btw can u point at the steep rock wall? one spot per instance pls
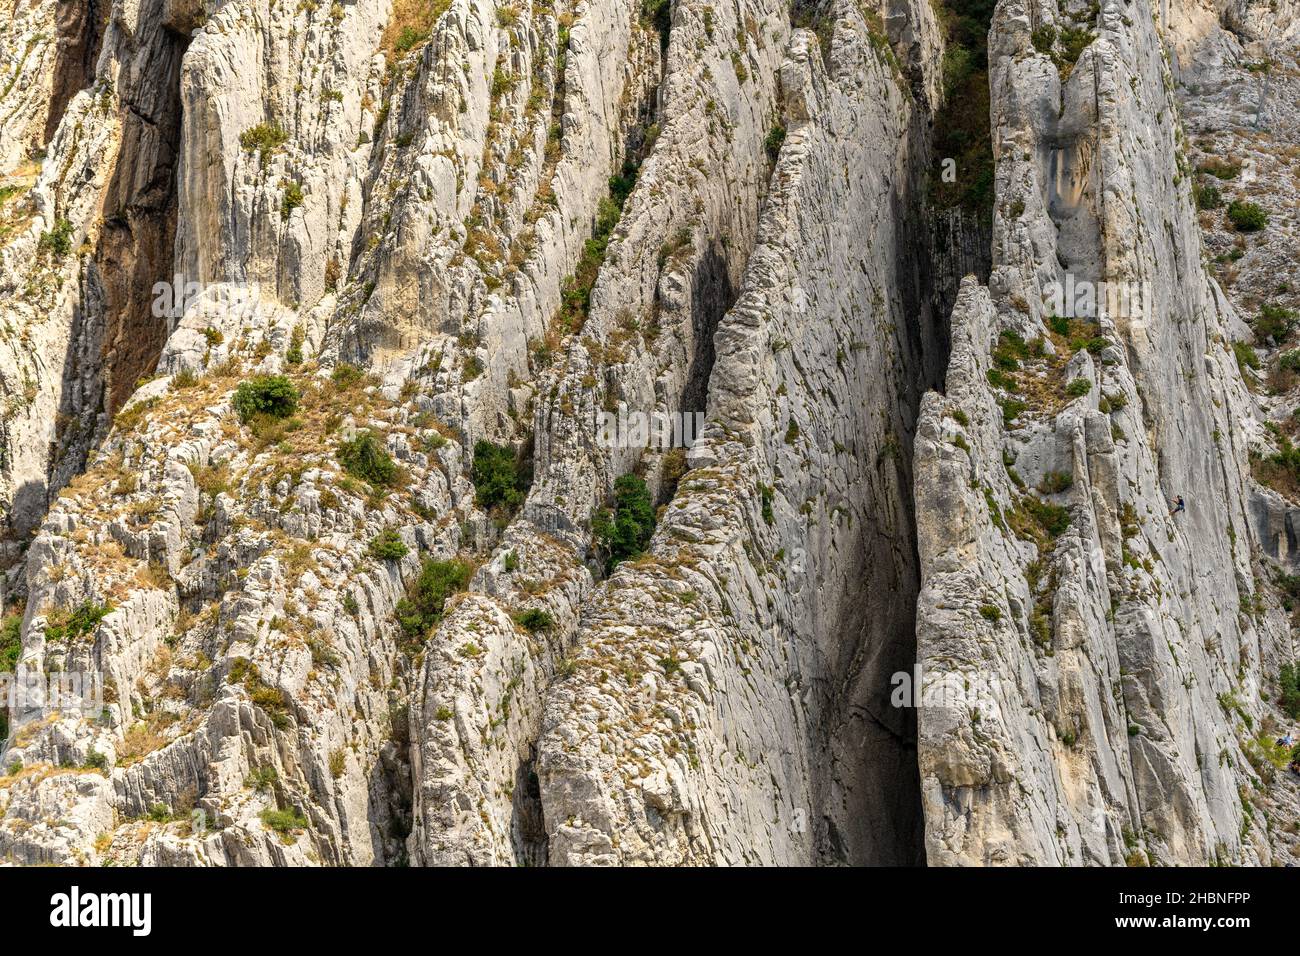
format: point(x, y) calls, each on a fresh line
point(1098, 653)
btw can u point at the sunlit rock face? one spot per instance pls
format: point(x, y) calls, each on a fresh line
point(340, 527)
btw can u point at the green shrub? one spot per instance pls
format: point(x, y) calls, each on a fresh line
point(1078, 387)
point(498, 481)
point(11, 644)
point(1074, 40)
point(1011, 409)
point(1247, 216)
point(284, 821)
point(409, 39)
point(271, 395)
point(1052, 518)
point(261, 778)
point(58, 241)
point(421, 609)
point(293, 354)
point(272, 700)
point(69, 625)
point(1207, 196)
point(1055, 482)
point(264, 138)
point(1246, 356)
point(1010, 351)
point(624, 531)
point(1000, 379)
point(1043, 38)
point(657, 14)
point(346, 376)
point(1290, 699)
point(535, 620)
point(96, 760)
point(1094, 344)
point(363, 456)
point(1291, 360)
point(290, 200)
point(1219, 169)
point(1274, 322)
point(774, 141)
point(388, 546)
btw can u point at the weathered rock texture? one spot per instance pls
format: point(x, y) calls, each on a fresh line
point(1104, 678)
point(454, 221)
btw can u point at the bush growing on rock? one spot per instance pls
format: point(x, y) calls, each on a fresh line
point(271, 395)
point(1246, 356)
point(388, 546)
point(421, 609)
point(1038, 521)
point(535, 620)
point(1274, 322)
point(95, 760)
point(58, 241)
point(291, 199)
point(346, 376)
point(1207, 196)
point(625, 531)
point(10, 642)
point(1247, 216)
point(774, 141)
point(11, 648)
point(363, 456)
point(63, 625)
point(1056, 482)
point(499, 484)
point(1290, 699)
point(264, 138)
point(272, 700)
point(283, 821)
point(293, 354)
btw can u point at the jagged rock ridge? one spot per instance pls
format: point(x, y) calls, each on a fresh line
point(454, 222)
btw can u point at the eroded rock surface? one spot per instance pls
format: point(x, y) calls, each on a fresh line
point(389, 622)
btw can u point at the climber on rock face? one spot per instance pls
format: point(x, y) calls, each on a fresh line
point(1179, 505)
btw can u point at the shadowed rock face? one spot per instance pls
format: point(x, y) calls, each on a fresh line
point(139, 209)
point(387, 626)
point(80, 31)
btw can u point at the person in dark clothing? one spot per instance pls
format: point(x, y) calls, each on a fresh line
point(1178, 506)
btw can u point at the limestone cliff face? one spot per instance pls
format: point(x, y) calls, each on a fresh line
point(325, 636)
point(1120, 653)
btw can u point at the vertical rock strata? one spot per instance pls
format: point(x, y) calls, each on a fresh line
point(1097, 649)
point(463, 231)
point(726, 703)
